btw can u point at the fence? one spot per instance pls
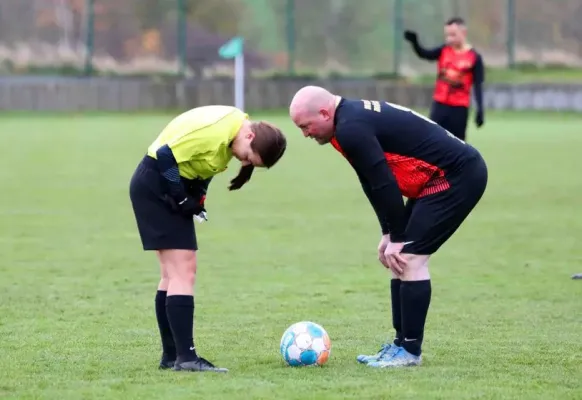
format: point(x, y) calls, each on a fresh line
point(107, 94)
point(289, 36)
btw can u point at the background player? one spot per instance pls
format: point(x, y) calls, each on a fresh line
point(168, 188)
point(396, 152)
point(459, 66)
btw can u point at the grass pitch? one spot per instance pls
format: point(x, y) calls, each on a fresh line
point(298, 243)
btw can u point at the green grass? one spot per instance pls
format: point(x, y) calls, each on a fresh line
point(299, 243)
point(523, 75)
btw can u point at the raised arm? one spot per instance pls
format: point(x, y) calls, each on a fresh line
point(431, 54)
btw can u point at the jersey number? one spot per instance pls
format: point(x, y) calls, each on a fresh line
point(375, 106)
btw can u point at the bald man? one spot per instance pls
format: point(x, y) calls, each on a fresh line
point(397, 152)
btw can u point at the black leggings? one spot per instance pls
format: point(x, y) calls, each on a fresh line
point(452, 118)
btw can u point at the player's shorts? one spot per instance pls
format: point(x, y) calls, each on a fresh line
point(452, 118)
point(433, 219)
point(160, 227)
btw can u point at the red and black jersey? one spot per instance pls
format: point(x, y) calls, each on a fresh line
point(396, 152)
point(457, 72)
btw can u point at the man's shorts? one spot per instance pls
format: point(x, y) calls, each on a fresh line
point(433, 219)
point(452, 118)
point(160, 227)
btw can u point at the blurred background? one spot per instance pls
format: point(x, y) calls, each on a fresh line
point(173, 45)
point(345, 37)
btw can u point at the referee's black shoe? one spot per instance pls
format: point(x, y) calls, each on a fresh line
point(167, 362)
point(198, 365)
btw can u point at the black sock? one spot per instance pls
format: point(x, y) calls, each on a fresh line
point(396, 314)
point(180, 310)
point(415, 300)
point(168, 345)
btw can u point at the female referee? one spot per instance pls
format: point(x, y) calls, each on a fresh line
point(168, 189)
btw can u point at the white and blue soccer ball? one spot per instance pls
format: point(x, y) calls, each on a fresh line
point(305, 343)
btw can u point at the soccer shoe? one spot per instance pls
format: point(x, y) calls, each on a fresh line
point(167, 362)
point(198, 365)
point(401, 358)
point(387, 349)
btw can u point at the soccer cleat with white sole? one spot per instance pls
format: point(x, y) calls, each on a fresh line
point(401, 358)
point(387, 350)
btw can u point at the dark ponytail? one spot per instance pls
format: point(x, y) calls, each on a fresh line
point(244, 175)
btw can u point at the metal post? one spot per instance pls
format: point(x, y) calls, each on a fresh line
point(397, 22)
point(511, 22)
point(89, 36)
point(291, 36)
point(182, 36)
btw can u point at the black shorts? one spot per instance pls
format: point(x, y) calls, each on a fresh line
point(433, 219)
point(160, 227)
point(452, 118)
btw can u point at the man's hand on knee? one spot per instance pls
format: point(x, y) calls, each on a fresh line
point(393, 259)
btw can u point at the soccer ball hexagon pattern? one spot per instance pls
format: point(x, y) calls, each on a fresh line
point(305, 343)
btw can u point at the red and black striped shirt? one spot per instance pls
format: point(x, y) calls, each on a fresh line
point(396, 152)
point(458, 71)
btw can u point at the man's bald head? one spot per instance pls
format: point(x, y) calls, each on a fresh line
point(312, 109)
point(310, 99)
